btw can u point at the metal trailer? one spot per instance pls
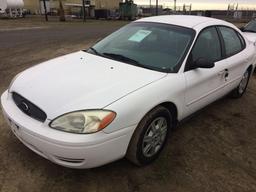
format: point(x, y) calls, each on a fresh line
point(11, 8)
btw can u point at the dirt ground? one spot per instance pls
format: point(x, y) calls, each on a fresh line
point(215, 150)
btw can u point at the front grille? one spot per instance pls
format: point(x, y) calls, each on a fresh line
point(29, 108)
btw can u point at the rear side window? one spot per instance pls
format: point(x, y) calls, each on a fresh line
point(207, 46)
point(233, 43)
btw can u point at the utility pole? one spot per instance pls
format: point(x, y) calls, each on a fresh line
point(45, 11)
point(150, 8)
point(156, 7)
point(174, 6)
point(62, 12)
point(84, 12)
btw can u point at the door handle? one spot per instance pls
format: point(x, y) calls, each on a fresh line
point(226, 76)
point(221, 73)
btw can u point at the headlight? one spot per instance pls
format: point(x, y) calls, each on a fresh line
point(13, 81)
point(83, 122)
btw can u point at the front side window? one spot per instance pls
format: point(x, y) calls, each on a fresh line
point(207, 46)
point(155, 46)
point(232, 41)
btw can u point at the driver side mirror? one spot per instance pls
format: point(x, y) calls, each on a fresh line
point(202, 63)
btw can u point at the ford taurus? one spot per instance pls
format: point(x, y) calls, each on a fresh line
point(123, 96)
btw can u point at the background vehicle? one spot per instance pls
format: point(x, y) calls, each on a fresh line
point(250, 27)
point(250, 31)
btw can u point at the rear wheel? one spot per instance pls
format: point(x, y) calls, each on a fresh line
point(150, 136)
point(241, 89)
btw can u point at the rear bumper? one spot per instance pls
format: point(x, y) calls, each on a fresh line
point(66, 149)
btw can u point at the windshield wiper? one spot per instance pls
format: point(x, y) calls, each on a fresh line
point(128, 60)
point(94, 51)
point(120, 58)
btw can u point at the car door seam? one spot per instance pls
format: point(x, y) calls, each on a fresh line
point(207, 94)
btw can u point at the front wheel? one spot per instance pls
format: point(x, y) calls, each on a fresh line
point(241, 89)
point(150, 136)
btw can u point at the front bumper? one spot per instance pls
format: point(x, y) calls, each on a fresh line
point(66, 149)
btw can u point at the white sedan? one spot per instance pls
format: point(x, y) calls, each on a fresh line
point(123, 96)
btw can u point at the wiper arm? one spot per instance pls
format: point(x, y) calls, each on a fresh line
point(121, 58)
point(94, 50)
point(127, 59)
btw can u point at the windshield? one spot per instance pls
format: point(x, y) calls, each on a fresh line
point(251, 27)
point(154, 46)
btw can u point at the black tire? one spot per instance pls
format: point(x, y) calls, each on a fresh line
point(136, 150)
point(238, 91)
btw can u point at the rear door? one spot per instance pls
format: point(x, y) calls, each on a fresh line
point(203, 86)
point(236, 54)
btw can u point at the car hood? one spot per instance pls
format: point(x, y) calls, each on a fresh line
point(80, 81)
point(250, 36)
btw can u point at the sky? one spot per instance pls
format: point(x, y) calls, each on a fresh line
point(204, 4)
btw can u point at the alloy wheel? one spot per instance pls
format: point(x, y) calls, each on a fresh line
point(243, 83)
point(154, 137)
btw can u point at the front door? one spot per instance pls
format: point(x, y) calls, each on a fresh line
point(203, 86)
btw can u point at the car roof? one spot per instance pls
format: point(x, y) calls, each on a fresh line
point(182, 20)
